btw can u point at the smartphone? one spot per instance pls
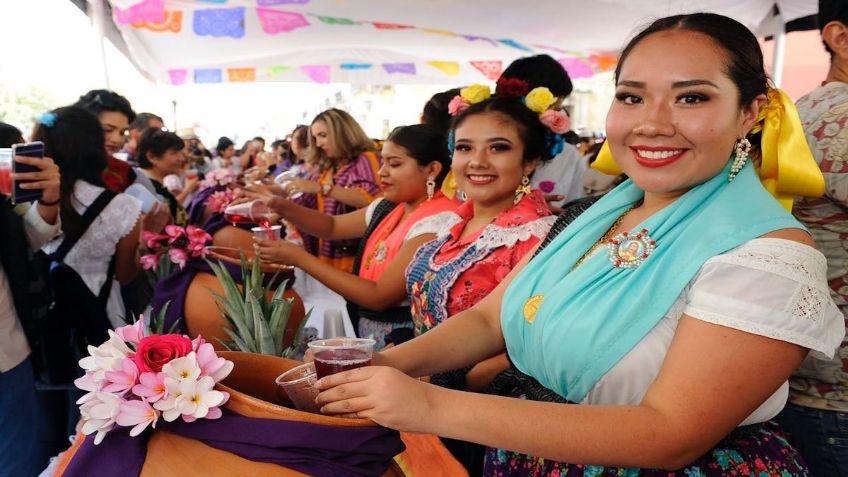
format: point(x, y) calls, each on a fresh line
point(32, 149)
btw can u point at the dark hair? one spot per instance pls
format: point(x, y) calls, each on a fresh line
point(75, 142)
point(435, 112)
point(832, 11)
point(97, 101)
point(541, 71)
point(223, 143)
point(156, 142)
point(532, 132)
point(300, 135)
point(425, 144)
point(10, 135)
point(259, 138)
point(744, 57)
point(142, 121)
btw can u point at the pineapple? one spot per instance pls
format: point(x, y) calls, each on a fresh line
point(256, 324)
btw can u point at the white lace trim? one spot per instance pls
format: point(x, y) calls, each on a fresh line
point(789, 259)
point(495, 236)
point(439, 224)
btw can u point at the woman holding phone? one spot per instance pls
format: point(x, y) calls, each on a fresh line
point(25, 228)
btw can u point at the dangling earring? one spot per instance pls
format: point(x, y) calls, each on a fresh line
point(522, 189)
point(740, 157)
point(431, 187)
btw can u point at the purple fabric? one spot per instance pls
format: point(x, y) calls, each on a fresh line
point(313, 449)
point(198, 204)
point(173, 289)
point(360, 174)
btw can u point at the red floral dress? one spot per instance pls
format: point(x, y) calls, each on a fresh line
point(449, 275)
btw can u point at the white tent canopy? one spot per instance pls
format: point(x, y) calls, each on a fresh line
point(395, 41)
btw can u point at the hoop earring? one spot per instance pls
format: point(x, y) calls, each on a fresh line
point(522, 190)
point(431, 187)
point(740, 157)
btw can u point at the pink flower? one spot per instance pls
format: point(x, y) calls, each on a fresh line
point(197, 342)
point(178, 256)
point(196, 234)
point(88, 382)
point(457, 105)
point(132, 333)
point(123, 380)
point(211, 364)
point(197, 241)
point(153, 239)
point(155, 351)
point(547, 186)
point(556, 121)
point(149, 261)
point(174, 232)
point(151, 386)
point(139, 414)
point(220, 200)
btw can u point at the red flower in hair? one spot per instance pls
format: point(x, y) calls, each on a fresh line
point(513, 87)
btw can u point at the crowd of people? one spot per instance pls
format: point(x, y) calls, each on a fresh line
point(540, 317)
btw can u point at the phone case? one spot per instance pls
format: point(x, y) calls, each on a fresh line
point(33, 149)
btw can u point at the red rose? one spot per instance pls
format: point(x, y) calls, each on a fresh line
point(155, 351)
point(512, 87)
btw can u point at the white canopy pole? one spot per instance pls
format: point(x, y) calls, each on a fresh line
point(779, 50)
point(98, 21)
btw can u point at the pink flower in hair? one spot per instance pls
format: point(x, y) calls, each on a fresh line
point(457, 105)
point(557, 121)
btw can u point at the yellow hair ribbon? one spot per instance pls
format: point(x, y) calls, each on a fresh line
point(449, 185)
point(787, 169)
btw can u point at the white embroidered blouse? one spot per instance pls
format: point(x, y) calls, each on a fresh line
point(730, 290)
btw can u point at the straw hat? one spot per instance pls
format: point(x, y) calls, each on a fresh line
point(186, 133)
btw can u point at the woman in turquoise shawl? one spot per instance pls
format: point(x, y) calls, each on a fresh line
point(669, 315)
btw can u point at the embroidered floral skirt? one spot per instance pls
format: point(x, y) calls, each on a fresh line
point(757, 451)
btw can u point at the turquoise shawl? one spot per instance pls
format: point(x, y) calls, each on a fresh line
point(592, 316)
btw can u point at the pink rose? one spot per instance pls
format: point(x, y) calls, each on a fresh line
point(155, 351)
point(457, 105)
point(556, 121)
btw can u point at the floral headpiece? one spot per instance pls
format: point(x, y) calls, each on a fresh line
point(47, 120)
point(538, 100)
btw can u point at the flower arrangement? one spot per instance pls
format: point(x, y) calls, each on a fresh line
point(218, 201)
point(218, 177)
point(133, 380)
point(175, 246)
point(539, 100)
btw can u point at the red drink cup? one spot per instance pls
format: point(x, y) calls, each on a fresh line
point(299, 385)
point(341, 354)
point(6, 171)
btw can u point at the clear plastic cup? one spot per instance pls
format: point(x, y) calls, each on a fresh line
point(335, 355)
point(6, 171)
point(254, 212)
point(268, 233)
point(299, 385)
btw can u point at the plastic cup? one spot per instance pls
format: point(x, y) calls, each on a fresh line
point(335, 355)
point(333, 324)
point(255, 212)
point(268, 233)
point(299, 385)
point(6, 171)
point(191, 174)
